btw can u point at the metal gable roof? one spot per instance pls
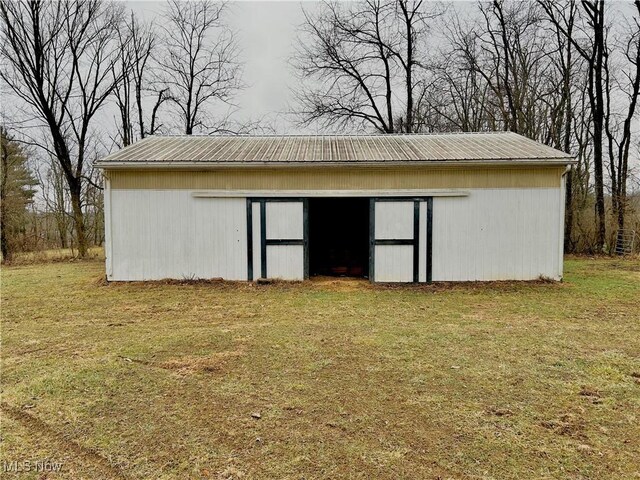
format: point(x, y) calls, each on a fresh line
point(309, 150)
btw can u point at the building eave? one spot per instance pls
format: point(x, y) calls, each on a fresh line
point(140, 165)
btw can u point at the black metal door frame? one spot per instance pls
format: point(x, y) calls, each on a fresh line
point(415, 241)
point(265, 242)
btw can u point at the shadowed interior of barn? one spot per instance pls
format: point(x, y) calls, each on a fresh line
point(339, 236)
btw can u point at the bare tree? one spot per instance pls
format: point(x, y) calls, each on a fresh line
point(592, 46)
point(122, 71)
point(59, 58)
point(515, 64)
point(501, 71)
point(56, 201)
point(568, 71)
point(497, 71)
point(347, 54)
point(619, 145)
point(414, 20)
point(356, 59)
point(199, 62)
point(462, 91)
point(137, 43)
point(511, 68)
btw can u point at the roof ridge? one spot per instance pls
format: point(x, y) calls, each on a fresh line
point(338, 135)
point(504, 147)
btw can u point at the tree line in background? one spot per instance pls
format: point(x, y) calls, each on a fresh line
point(565, 73)
point(66, 62)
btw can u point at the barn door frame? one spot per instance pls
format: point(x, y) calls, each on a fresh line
point(414, 242)
point(266, 242)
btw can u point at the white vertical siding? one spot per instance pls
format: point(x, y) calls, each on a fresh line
point(497, 234)
point(563, 193)
point(257, 254)
point(422, 243)
point(108, 252)
point(285, 220)
point(158, 234)
point(394, 220)
point(285, 262)
point(491, 234)
point(394, 263)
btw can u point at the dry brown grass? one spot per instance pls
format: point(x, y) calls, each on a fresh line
point(54, 255)
point(324, 379)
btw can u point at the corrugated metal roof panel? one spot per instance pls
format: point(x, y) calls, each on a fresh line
point(334, 149)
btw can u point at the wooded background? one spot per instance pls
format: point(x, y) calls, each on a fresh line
point(565, 73)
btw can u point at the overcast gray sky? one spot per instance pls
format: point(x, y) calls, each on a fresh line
point(266, 33)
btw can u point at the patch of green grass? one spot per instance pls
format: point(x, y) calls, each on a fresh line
point(482, 381)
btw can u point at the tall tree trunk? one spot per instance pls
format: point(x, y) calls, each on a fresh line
point(140, 115)
point(62, 231)
point(568, 208)
point(78, 218)
point(568, 220)
point(623, 147)
point(4, 243)
point(599, 183)
point(409, 126)
point(596, 94)
point(511, 123)
point(408, 23)
point(595, 100)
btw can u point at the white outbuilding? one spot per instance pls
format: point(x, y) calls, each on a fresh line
point(392, 208)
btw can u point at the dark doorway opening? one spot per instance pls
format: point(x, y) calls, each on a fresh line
point(339, 237)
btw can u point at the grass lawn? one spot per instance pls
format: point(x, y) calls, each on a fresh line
point(167, 380)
